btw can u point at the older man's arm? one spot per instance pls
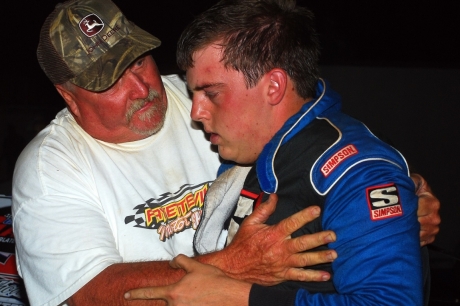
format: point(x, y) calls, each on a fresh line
point(259, 253)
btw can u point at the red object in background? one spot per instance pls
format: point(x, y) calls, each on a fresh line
point(11, 287)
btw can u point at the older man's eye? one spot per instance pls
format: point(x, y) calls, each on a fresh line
point(137, 63)
point(140, 62)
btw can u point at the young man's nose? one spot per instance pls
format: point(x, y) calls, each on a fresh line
point(198, 112)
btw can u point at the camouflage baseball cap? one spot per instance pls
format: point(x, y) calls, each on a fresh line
point(90, 43)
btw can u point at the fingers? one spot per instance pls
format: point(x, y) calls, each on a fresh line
point(288, 225)
point(148, 293)
point(310, 259)
point(263, 211)
point(417, 178)
point(430, 223)
point(428, 217)
point(428, 234)
point(428, 210)
point(310, 241)
point(428, 205)
point(420, 183)
point(425, 240)
point(182, 261)
point(162, 293)
point(313, 258)
point(423, 187)
point(299, 219)
point(306, 275)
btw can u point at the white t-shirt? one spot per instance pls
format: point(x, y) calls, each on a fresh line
point(80, 205)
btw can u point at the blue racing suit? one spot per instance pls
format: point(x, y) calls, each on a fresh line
point(323, 157)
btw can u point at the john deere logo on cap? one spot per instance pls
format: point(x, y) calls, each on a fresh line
point(91, 25)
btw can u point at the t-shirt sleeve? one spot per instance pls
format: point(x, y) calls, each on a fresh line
point(62, 236)
point(53, 266)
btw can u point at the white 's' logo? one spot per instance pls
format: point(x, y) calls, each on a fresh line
point(384, 202)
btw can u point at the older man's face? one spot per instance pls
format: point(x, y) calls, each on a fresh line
point(132, 109)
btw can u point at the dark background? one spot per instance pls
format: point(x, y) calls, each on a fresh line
point(395, 63)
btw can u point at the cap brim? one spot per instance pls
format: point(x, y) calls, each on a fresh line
point(106, 70)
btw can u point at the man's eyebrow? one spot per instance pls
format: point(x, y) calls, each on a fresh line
point(204, 86)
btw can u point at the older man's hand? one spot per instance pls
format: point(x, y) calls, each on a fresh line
point(202, 285)
point(267, 255)
point(428, 210)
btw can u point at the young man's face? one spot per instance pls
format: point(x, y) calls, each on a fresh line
point(132, 109)
point(235, 116)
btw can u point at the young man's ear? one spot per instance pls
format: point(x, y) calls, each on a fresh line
point(69, 100)
point(277, 87)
